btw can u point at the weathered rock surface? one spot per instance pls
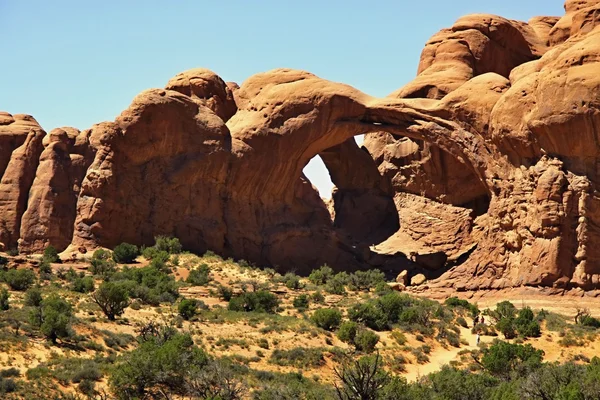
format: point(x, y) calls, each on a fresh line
point(481, 173)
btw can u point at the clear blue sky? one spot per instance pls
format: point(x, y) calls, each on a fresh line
point(76, 63)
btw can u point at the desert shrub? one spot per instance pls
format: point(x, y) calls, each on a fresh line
point(300, 357)
point(504, 309)
point(102, 263)
point(259, 301)
point(588, 320)
point(347, 331)
point(8, 385)
point(507, 327)
point(462, 322)
point(363, 379)
point(33, 297)
point(4, 299)
point(83, 285)
point(399, 337)
point(157, 366)
point(455, 302)
point(3, 262)
point(125, 253)
point(53, 317)
point(200, 276)
point(188, 308)
point(112, 298)
point(87, 387)
point(337, 283)
point(263, 343)
point(327, 318)
point(365, 280)
point(301, 302)
point(224, 292)
point(502, 358)
point(169, 244)
point(369, 314)
point(149, 284)
point(45, 270)
point(321, 275)
point(19, 279)
point(50, 255)
point(291, 281)
point(366, 340)
point(317, 297)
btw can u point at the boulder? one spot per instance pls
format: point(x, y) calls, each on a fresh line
point(417, 280)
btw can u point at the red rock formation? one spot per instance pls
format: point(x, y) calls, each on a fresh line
point(485, 166)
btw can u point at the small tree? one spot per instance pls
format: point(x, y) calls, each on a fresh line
point(53, 317)
point(321, 275)
point(169, 244)
point(199, 276)
point(366, 340)
point(113, 298)
point(327, 318)
point(347, 331)
point(102, 263)
point(188, 308)
point(125, 253)
point(362, 380)
point(19, 279)
point(301, 302)
point(33, 297)
point(4, 295)
point(51, 255)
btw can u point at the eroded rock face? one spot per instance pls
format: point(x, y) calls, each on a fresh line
point(481, 173)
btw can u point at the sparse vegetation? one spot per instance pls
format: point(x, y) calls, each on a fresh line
point(125, 253)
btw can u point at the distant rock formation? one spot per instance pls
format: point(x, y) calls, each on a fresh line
point(481, 173)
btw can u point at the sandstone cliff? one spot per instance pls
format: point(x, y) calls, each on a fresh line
point(481, 173)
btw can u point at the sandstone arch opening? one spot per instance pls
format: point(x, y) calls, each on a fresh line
point(361, 202)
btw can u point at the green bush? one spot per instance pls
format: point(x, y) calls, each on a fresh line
point(102, 263)
point(149, 284)
point(298, 357)
point(347, 331)
point(112, 298)
point(327, 318)
point(507, 328)
point(224, 292)
point(50, 255)
point(291, 281)
point(188, 308)
point(588, 320)
point(301, 302)
point(455, 302)
point(259, 301)
point(317, 297)
point(3, 262)
point(365, 280)
point(83, 285)
point(33, 297)
point(200, 276)
point(502, 358)
point(399, 337)
point(125, 253)
point(157, 365)
point(337, 283)
point(169, 244)
point(53, 317)
point(4, 296)
point(19, 279)
point(366, 340)
point(321, 275)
